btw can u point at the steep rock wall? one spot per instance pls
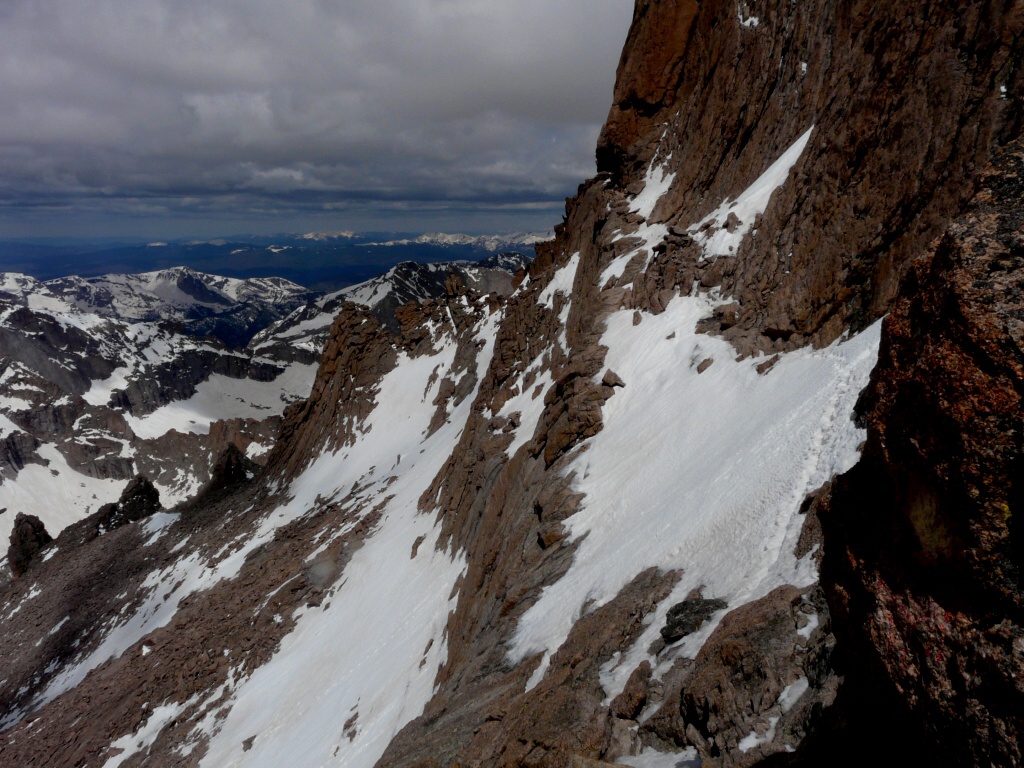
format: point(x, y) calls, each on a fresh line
point(906, 105)
point(923, 538)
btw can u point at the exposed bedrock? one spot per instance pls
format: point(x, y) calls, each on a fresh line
point(924, 540)
point(907, 103)
point(907, 106)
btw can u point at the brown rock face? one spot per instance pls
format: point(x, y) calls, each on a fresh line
point(358, 352)
point(28, 537)
point(923, 540)
point(757, 684)
point(649, 74)
point(906, 105)
point(139, 499)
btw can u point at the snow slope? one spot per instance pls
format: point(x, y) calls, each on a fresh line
point(381, 641)
point(703, 472)
point(378, 638)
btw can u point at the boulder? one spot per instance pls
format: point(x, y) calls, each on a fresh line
point(687, 617)
point(28, 538)
point(139, 499)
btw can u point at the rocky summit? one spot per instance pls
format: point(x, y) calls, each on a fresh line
point(729, 475)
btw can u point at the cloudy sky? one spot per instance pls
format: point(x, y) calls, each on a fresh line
point(167, 118)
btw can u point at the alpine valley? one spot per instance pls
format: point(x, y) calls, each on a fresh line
point(728, 475)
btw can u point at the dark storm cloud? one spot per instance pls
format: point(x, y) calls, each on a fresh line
point(151, 107)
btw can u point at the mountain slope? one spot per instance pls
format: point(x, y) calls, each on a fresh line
point(106, 377)
point(229, 309)
point(90, 394)
point(584, 523)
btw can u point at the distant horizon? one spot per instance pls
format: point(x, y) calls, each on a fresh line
point(186, 239)
point(319, 264)
point(187, 229)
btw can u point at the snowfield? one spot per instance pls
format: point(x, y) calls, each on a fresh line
point(373, 651)
point(699, 472)
point(222, 397)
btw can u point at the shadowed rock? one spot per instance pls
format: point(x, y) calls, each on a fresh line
point(28, 538)
point(231, 469)
point(139, 499)
point(687, 617)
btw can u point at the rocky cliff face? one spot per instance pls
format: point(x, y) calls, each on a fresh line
point(923, 539)
point(905, 107)
point(583, 524)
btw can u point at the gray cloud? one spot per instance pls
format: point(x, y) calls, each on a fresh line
point(189, 111)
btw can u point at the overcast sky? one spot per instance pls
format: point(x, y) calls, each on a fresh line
point(168, 118)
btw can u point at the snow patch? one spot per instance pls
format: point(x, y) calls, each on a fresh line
point(746, 21)
point(755, 739)
point(650, 235)
point(155, 525)
point(561, 282)
point(716, 235)
point(656, 184)
point(651, 758)
point(791, 694)
point(812, 624)
point(134, 743)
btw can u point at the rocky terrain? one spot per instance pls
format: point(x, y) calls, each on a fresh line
point(103, 378)
point(657, 506)
point(930, 601)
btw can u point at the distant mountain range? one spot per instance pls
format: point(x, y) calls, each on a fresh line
point(323, 261)
point(492, 243)
point(104, 377)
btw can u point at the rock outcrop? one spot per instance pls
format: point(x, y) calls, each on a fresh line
point(28, 538)
point(139, 499)
point(923, 539)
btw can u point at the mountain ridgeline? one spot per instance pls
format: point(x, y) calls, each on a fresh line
point(729, 476)
point(158, 373)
